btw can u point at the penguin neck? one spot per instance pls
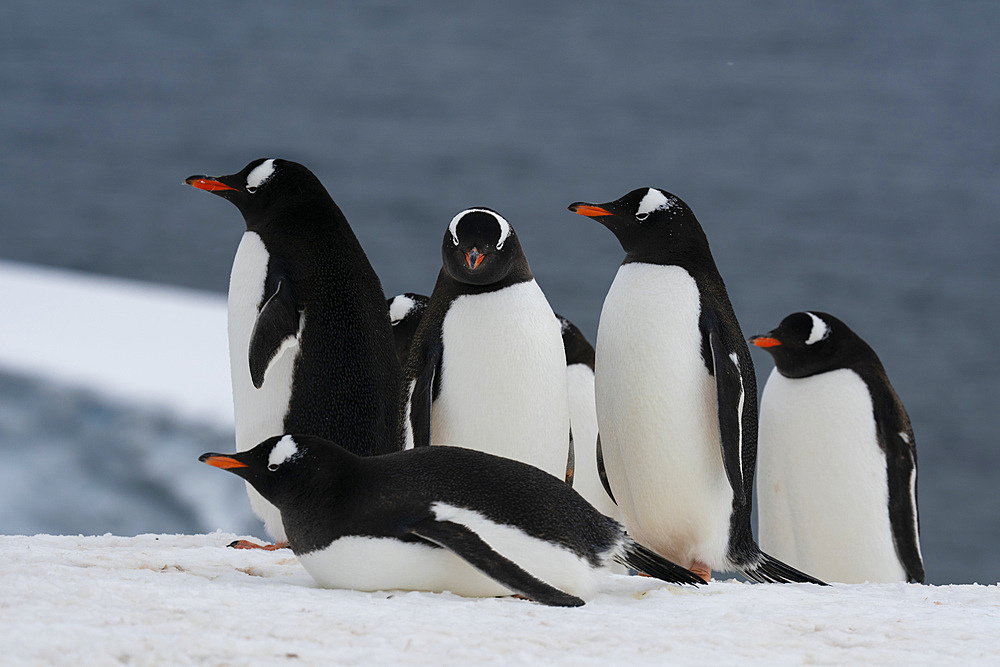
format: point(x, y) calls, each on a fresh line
point(320, 511)
point(680, 246)
point(519, 273)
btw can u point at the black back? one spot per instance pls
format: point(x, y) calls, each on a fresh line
point(346, 377)
point(838, 347)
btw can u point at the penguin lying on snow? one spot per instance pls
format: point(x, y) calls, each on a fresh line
point(486, 368)
point(676, 394)
point(838, 480)
point(309, 339)
point(438, 519)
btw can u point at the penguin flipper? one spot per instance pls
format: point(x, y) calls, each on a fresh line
point(602, 471)
point(422, 396)
point(468, 546)
point(731, 397)
point(901, 458)
point(649, 562)
point(571, 460)
point(277, 324)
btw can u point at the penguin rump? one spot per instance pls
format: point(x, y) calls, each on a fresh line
point(438, 519)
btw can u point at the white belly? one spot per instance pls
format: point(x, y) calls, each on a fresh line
point(821, 480)
point(503, 379)
point(657, 412)
point(372, 564)
point(259, 413)
point(583, 419)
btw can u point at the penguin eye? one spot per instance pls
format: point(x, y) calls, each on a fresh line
point(641, 216)
point(272, 467)
point(251, 189)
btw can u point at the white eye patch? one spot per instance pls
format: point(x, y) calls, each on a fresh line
point(819, 331)
point(504, 225)
point(259, 174)
point(282, 451)
point(653, 201)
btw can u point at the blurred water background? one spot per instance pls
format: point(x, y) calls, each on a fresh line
point(841, 157)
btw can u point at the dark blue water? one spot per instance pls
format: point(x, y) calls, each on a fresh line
point(841, 156)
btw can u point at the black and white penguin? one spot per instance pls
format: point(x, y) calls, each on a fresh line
point(588, 477)
point(487, 369)
point(837, 487)
point(309, 339)
point(438, 519)
point(676, 394)
point(405, 312)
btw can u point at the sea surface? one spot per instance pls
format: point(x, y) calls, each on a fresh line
point(842, 157)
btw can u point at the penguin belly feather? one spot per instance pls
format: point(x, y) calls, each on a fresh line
point(822, 479)
point(503, 378)
point(658, 416)
point(259, 413)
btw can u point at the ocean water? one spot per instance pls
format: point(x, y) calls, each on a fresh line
point(842, 157)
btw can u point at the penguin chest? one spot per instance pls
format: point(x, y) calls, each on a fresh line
point(583, 420)
point(821, 480)
point(503, 378)
point(657, 413)
point(259, 413)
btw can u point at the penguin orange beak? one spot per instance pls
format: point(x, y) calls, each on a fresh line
point(765, 341)
point(205, 183)
point(589, 210)
point(220, 461)
point(474, 258)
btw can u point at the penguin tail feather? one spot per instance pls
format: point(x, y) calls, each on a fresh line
point(647, 561)
point(770, 570)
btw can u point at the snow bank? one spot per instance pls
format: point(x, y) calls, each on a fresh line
point(139, 343)
point(165, 599)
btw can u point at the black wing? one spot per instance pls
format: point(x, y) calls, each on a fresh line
point(901, 467)
point(277, 321)
point(571, 460)
point(731, 399)
point(425, 359)
point(468, 546)
point(602, 472)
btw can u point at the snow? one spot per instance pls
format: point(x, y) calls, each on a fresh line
point(187, 599)
point(169, 599)
point(164, 347)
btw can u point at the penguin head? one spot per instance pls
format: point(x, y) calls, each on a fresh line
point(263, 188)
point(809, 343)
point(481, 248)
point(284, 468)
point(647, 220)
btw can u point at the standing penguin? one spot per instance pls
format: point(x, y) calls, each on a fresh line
point(676, 394)
point(309, 340)
point(487, 369)
point(589, 475)
point(838, 481)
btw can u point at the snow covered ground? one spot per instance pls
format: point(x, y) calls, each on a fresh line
point(168, 599)
point(178, 599)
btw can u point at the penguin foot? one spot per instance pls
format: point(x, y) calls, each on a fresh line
point(247, 544)
point(702, 570)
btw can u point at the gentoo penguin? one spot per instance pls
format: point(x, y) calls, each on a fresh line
point(837, 484)
point(309, 340)
point(487, 369)
point(405, 312)
point(676, 395)
point(588, 480)
point(438, 519)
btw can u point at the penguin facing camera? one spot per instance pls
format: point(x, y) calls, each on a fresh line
point(486, 368)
